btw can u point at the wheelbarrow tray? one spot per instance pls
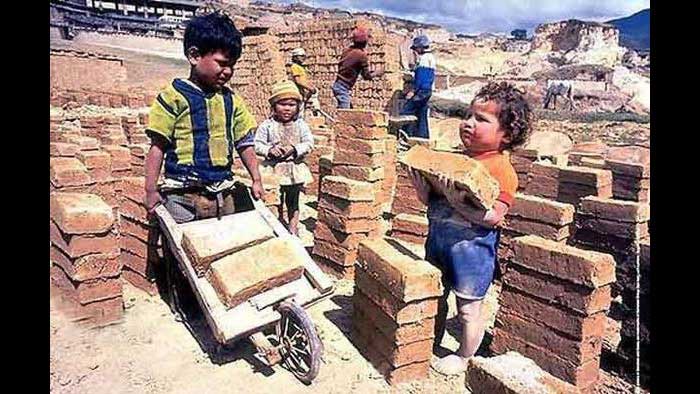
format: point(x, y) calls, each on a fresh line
point(257, 312)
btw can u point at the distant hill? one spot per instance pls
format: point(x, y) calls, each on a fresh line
point(634, 30)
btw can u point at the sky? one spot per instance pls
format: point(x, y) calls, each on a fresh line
point(478, 16)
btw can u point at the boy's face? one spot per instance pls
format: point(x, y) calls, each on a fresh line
point(286, 109)
point(212, 70)
point(481, 131)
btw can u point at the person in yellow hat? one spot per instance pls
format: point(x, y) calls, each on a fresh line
point(300, 75)
point(283, 140)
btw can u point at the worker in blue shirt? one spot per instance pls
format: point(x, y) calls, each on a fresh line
point(423, 78)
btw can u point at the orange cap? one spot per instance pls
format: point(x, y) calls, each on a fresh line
point(360, 35)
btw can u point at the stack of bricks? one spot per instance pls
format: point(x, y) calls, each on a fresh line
point(409, 221)
point(135, 129)
point(138, 158)
point(619, 228)
point(568, 183)
point(85, 259)
point(394, 308)
point(359, 152)
point(553, 307)
point(630, 173)
point(138, 236)
point(259, 53)
point(390, 160)
point(347, 214)
point(115, 98)
point(522, 160)
point(530, 215)
point(588, 154)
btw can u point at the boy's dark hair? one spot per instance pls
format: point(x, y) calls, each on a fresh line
point(212, 32)
point(515, 113)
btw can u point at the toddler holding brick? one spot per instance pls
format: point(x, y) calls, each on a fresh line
point(283, 140)
point(463, 239)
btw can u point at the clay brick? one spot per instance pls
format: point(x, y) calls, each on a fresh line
point(637, 170)
point(120, 157)
point(397, 356)
point(585, 176)
point(468, 174)
point(68, 171)
point(621, 211)
point(88, 291)
point(335, 270)
point(631, 184)
point(582, 376)
point(398, 334)
point(411, 206)
point(85, 143)
point(360, 145)
point(347, 225)
point(576, 351)
point(401, 312)
point(81, 244)
point(347, 241)
point(566, 294)
point(134, 210)
point(542, 186)
point(80, 213)
point(568, 323)
point(609, 227)
point(335, 253)
point(360, 117)
point(242, 275)
point(530, 227)
point(104, 312)
point(579, 266)
point(347, 189)
point(205, 242)
point(95, 159)
point(407, 277)
point(145, 233)
point(408, 237)
point(362, 174)
point(413, 224)
point(136, 246)
point(137, 280)
point(512, 373)
point(361, 132)
point(87, 267)
point(63, 149)
point(348, 157)
point(349, 209)
point(545, 169)
point(542, 210)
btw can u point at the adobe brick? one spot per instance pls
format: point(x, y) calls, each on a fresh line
point(84, 143)
point(585, 176)
point(136, 246)
point(100, 175)
point(349, 209)
point(348, 157)
point(103, 313)
point(512, 373)
point(80, 213)
point(407, 277)
point(68, 171)
point(335, 270)
point(348, 225)
point(145, 233)
point(566, 294)
point(607, 208)
point(140, 282)
point(63, 149)
point(542, 210)
point(576, 351)
point(566, 322)
point(411, 206)
point(133, 210)
point(638, 170)
point(360, 117)
point(120, 157)
point(347, 241)
point(398, 310)
point(334, 253)
point(88, 291)
point(81, 244)
point(408, 237)
point(358, 145)
point(413, 224)
point(609, 227)
point(542, 186)
point(582, 376)
point(531, 227)
point(588, 268)
point(87, 267)
point(347, 189)
point(363, 174)
point(468, 174)
point(95, 159)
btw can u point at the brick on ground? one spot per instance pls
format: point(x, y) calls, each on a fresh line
point(80, 213)
point(86, 291)
point(468, 174)
point(210, 240)
point(512, 373)
point(242, 275)
point(140, 282)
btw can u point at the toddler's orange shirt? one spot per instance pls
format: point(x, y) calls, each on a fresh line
point(499, 166)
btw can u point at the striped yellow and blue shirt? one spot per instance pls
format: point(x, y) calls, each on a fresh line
point(202, 130)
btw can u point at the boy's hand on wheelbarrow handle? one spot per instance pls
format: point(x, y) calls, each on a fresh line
point(152, 200)
point(257, 189)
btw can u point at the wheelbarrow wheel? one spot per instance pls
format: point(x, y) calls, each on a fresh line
point(301, 348)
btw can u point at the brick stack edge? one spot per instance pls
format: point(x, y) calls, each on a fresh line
point(394, 308)
point(553, 308)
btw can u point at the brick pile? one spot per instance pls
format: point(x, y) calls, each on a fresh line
point(530, 215)
point(568, 183)
point(512, 373)
point(630, 171)
point(85, 259)
point(394, 308)
point(522, 160)
point(347, 214)
point(588, 154)
point(621, 229)
point(120, 97)
point(409, 221)
point(553, 308)
point(322, 146)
